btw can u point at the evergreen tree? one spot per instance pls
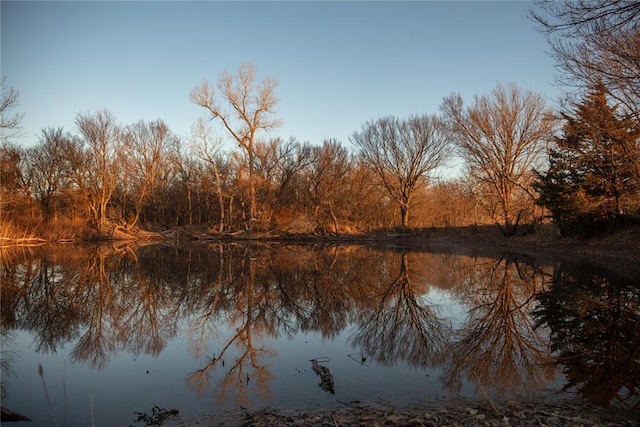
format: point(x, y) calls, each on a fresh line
point(593, 181)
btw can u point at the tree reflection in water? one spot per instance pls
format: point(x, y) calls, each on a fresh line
point(101, 302)
point(95, 298)
point(264, 294)
point(7, 357)
point(247, 317)
point(125, 309)
point(400, 326)
point(594, 317)
point(498, 348)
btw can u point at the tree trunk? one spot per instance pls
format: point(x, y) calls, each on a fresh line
point(334, 218)
point(404, 216)
point(252, 191)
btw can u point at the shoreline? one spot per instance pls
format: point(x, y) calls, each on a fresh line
point(619, 251)
point(454, 412)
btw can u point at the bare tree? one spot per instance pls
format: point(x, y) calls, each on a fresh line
point(293, 158)
point(13, 186)
point(595, 40)
point(501, 136)
point(97, 174)
point(49, 168)
point(207, 149)
point(248, 110)
point(12, 183)
point(9, 122)
point(147, 147)
point(401, 152)
point(186, 170)
point(280, 166)
point(330, 179)
point(266, 172)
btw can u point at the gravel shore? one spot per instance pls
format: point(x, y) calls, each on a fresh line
point(462, 412)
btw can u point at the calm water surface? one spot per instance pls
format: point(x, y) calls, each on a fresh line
point(203, 328)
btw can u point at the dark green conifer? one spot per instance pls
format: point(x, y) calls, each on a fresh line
point(593, 181)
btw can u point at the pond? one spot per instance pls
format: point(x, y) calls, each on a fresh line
point(95, 334)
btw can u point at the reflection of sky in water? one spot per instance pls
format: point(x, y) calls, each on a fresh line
point(445, 305)
point(123, 386)
point(383, 306)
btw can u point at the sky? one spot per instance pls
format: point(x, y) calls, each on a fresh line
point(338, 64)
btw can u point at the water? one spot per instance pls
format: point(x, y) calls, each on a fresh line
point(203, 328)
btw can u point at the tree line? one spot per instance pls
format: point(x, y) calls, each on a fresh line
point(522, 162)
point(142, 175)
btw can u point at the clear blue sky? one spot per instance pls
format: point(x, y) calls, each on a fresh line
point(339, 64)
